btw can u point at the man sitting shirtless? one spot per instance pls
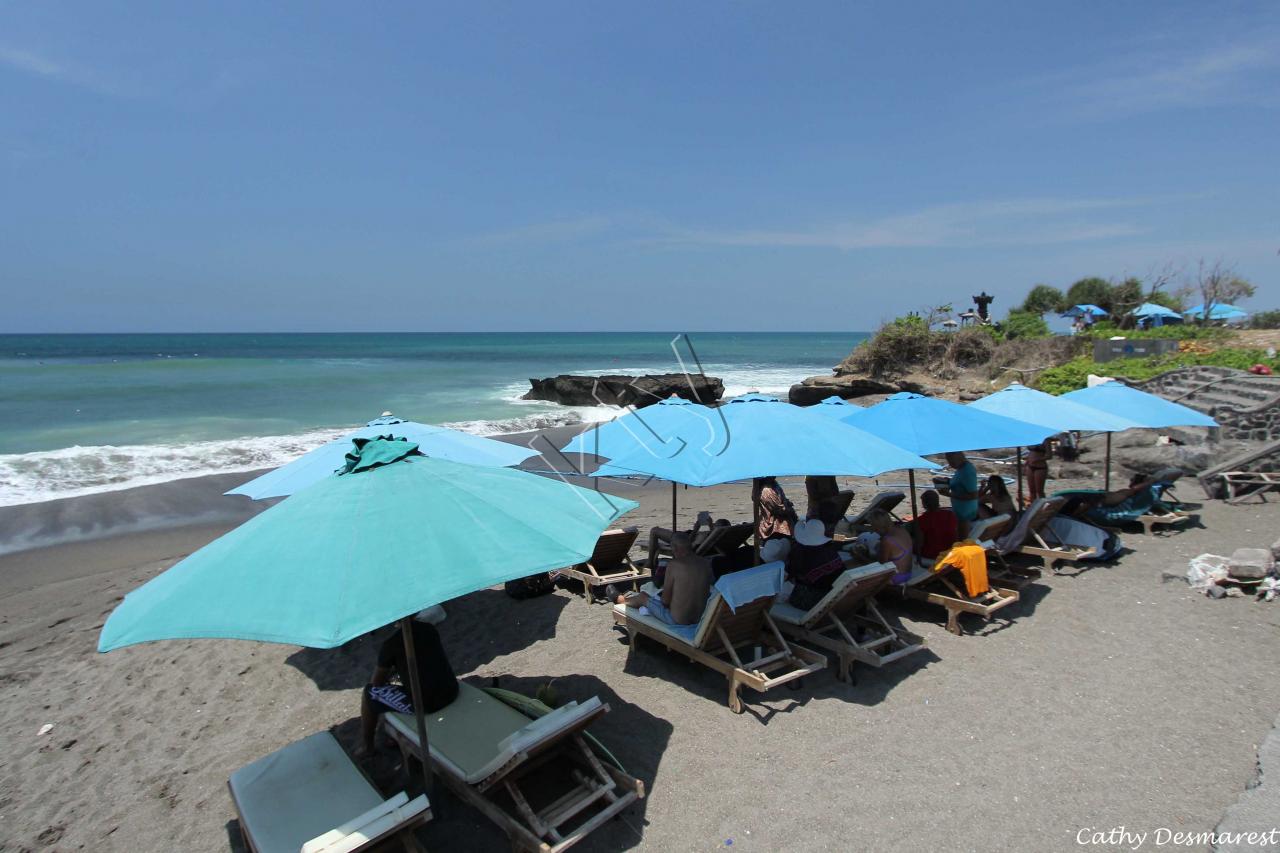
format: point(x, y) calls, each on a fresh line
point(685, 589)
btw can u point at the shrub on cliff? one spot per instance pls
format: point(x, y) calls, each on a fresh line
point(1075, 373)
point(1024, 324)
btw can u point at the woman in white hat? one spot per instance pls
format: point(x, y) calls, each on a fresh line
point(813, 564)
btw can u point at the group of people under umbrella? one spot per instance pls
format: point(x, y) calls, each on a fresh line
point(397, 517)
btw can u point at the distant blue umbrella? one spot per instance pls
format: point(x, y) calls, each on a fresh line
point(926, 425)
point(1086, 310)
point(834, 407)
point(435, 441)
point(1219, 311)
point(1150, 309)
point(764, 437)
point(1146, 410)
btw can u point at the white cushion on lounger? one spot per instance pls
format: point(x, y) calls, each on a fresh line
point(300, 792)
point(476, 734)
point(374, 823)
point(794, 615)
point(684, 633)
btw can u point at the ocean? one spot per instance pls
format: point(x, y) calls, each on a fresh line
point(90, 413)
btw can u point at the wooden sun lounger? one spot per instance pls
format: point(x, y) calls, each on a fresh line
point(1051, 553)
point(985, 531)
point(725, 635)
point(846, 621)
point(1151, 519)
point(730, 539)
point(610, 563)
point(1241, 485)
point(311, 796)
point(480, 746)
point(946, 588)
point(884, 500)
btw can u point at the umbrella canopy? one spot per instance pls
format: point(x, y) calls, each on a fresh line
point(435, 441)
point(1150, 309)
point(763, 436)
point(662, 429)
point(1144, 409)
point(834, 407)
point(1219, 311)
point(926, 425)
point(1021, 403)
point(1087, 310)
point(396, 533)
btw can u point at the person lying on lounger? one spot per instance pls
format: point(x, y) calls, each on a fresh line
point(435, 677)
point(685, 589)
point(659, 536)
point(937, 528)
point(813, 564)
point(895, 547)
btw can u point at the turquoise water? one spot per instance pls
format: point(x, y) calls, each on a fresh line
point(83, 413)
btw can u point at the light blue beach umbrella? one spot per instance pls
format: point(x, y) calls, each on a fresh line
point(835, 407)
point(1143, 409)
point(435, 441)
point(1085, 310)
point(927, 425)
point(1021, 403)
point(1156, 315)
point(1219, 311)
point(664, 429)
point(765, 437)
point(395, 533)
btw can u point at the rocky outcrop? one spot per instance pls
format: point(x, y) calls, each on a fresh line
point(815, 389)
point(638, 391)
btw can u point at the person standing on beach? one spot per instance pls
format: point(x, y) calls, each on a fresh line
point(823, 493)
point(435, 677)
point(1037, 470)
point(963, 490)
point(775, 516)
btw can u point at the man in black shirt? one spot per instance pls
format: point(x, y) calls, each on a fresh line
point(435, 675)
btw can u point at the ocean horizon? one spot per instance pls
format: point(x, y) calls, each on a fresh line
point(86, 413)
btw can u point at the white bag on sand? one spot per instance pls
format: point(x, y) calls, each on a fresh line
point(1206, 570)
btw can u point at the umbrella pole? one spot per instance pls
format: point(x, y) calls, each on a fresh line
point(415, 690)
point(1106, 477)
point(674, 528)
point(911, 478)
point(1020, 504)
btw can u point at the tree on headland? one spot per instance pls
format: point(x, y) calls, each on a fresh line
point(1090, 291)
point(1218, 284)
point(1043, 299)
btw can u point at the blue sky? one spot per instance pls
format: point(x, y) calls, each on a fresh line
point(323, 166)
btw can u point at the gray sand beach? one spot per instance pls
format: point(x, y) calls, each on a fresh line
point(1108, 698)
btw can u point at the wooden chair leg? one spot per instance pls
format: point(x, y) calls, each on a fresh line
point(735, 701)
point(953, 621)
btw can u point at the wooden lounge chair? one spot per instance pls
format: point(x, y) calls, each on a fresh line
point(481, 747)
point(1242, 485)
point(735, 621)
point(884, 500)
point(610, 563)
point(1147, 509)
point(985, 531)
point(946, 588)
point(1033, 536)
point(846, 621)
point(310, 796)
point(728, 540)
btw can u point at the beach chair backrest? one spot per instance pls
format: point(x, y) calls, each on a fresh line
point(710, 540)
point(1035, 518)
point(738, 603)
point(840, 503)
point(613, 546)
point(885, 501)
point(990, 528)
point(850, 591)
point(735, 537)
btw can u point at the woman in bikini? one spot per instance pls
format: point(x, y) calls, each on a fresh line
point(896, 546)
point(1037, 470)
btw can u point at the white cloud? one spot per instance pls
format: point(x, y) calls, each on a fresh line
point(38, 65)
point(1010, 222)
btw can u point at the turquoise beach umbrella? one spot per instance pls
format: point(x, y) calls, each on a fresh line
point(1143, 409)
point(765, 437)
point(835, 407)
point(1021, 403)
point(397, 533)
point(392, 534)
point(436, 441)
point(1146, 410)
point(927, 425)
point(662, 429)
point(1219, 311)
